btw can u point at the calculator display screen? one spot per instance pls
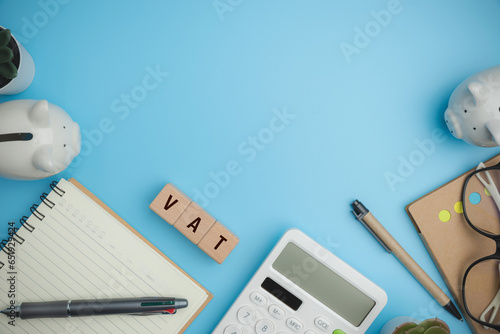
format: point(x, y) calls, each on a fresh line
point(323, 284)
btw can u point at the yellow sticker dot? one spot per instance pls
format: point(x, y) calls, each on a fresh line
point(444, 216)
point(486, 191)
point(458, 207)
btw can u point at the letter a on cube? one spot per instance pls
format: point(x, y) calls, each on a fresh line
point(194, 223)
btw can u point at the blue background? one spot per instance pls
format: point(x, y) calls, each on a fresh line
point(227, 71)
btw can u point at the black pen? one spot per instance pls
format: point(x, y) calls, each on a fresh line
point(80, 308)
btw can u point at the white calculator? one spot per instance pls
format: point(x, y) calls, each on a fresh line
point(303, 288)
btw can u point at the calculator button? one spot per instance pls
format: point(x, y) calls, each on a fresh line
point(310, 332)
point(258, 299)
point(294, 324)
point(264, 326)
point(276, 312)
point(246, 315)
point(233, 329)
point(323, 324)
point(338, 331)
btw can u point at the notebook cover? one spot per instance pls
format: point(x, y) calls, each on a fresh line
point(453, 245)
point(111, 212)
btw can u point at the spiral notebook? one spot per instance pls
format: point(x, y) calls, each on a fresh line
point(74, 247)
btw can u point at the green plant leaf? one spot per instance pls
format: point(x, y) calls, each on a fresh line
point(401, 329)
point(434, 323)
point(8, 70)
point(415, 330)
point(437, 330)
point(5, 37)
point(5, 54)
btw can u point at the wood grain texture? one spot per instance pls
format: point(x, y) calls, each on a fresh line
point(218, 242)
point(170, 203)
point(194, 223)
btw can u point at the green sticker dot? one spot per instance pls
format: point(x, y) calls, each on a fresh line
point(458, 207)
point(444, 216)
point(486, 191)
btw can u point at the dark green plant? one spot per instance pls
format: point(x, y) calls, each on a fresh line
point(429, 326)
point(7, 68)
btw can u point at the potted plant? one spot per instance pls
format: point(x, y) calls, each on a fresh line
point(405, 325)
point(17, 68)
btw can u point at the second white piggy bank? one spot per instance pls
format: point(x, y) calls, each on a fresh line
point(473, 112)
point(37, 139)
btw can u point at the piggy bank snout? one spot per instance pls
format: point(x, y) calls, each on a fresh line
point(453, 123)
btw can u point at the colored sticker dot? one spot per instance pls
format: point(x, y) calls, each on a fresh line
point(444, 215)
point(458, 207)
point(486, 191)
point(474, 198)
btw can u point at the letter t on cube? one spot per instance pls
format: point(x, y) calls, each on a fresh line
point(170, 203)
point(218, 242)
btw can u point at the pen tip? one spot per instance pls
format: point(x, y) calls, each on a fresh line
point(450, 307)
point(11, 311)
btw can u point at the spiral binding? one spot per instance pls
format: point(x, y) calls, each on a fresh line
point(34, 212)
point(24, 222)
point(56, 189)
point(47, 201)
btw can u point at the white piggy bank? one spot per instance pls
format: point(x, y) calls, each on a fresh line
point(473, 112)
point(37, 139)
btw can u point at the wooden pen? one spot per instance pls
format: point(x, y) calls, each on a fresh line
point(392, 246)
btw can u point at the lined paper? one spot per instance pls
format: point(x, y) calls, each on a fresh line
point(80, 251)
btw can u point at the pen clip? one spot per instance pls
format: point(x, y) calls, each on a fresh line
point(169, 311)
point(360, 218)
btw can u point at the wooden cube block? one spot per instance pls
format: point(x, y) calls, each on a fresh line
point(218, 242)
point(194, 223)
point(170, 203)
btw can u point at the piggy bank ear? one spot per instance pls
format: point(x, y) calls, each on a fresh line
point(479, 91)
point(42, 159)
point(39, 113)
point(493, 127)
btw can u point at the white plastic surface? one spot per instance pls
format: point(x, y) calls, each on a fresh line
point(56, 139)
point(473, 112)
point(26, 73)
point(311, 312)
